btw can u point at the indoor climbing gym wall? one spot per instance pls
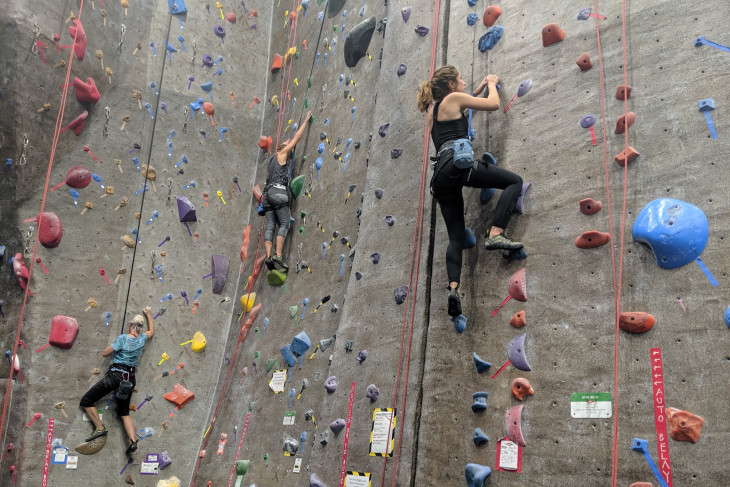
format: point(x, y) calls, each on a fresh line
point(134, 143)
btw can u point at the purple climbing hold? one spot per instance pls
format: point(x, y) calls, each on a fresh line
point(186, 210)
point(337, 425)
point(220, 272)
point(421, 30)
point(375, 257)
point(378, 193)
point(396, 153)
point(518, 205)
point(315, 481)
point(405, 13)
point(588, 121)
point(516, 353)
point(331, 384)
point(524, 87)
point(490, 38)
point(389, 220)
point(358, 275)
point(207, 60)
point(372, 393)
point(362, 355)
point(402, 69)
point(400, 294)
point(383, 129)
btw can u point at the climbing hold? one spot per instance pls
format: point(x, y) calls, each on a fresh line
point(623, 92)
point(592, 239)
point(275, 277)
point(517, 288)
point(471, 19)
point(76, 31)
point(706, 106)
point(476, 474)
point(480, 401)
point(513, 424)
point(485, 194)
point(296, 184)
point(482, 365)
point(219, 264)
point(362, 355)
point(231, 17)
point(77, 124)
point(291, 446)
point(300, 344)
point(635, 322)
point(64, 331)
point(675, 231)
point(491, 14)
point(584, 62)
point(525, 86)
point(372, 393)
point(585, 13)
point(315, 481)
point(378, 193)
point(198, 342)
point(337, 425)
point(357, 41)
point(86, 92)
point(459, 323)
point(50, 229)
point(289, 357)
point(628, 153)
point(684, 426)
point(518, 320)
point(520, 388)
point(490, 38)
point(220, 32)
point(479, 437)
point(520, 200)
point(179, 396)
point(375, 258)
point(331, 384)
point(21, 272)
point(265, 142)
point(624, 122)
point(421, 30)
point(588, 122)
point(396, 153)
point(277, 63)
point(334, 7)
point(247, 301)
point(405, 12)
point(402, 70)
point(389, 220)
point(516, 353)
point(551, 34)
point(589, 206)
point(383, 129)
point(400, 294)
point(470, 240)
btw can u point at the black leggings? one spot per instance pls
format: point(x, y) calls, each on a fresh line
point(447, 183)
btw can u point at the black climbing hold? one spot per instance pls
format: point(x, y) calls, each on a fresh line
point(358, 40)
point(402, 69)
point(400, 294)
point(337, 155)
point(421, 30)
point(384, 129)
point(334, 7)
point(356, 145)
point(396, 153)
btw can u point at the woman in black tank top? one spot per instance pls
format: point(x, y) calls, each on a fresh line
point(444, 99)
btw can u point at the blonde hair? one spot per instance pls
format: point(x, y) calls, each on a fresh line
point(437, 87)
point(137, 323)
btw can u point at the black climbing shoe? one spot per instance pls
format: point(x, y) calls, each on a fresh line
point(454, 302)
point(132, 447)
point(501, 242)
point(279, 263)
point(97, 433)
point(269, 263)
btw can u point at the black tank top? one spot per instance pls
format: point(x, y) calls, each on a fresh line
point(449, 130)
point(276, 174)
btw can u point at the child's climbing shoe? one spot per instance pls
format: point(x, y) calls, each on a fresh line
point(279, 263)
point(269, 263)
point(132, 446)
point(501, 242)
point(97, 433)
point(454, 302)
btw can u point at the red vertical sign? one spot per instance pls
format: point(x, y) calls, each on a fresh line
point(243, 435)
point(47, 460)
point(660, 416)
point(347, 436)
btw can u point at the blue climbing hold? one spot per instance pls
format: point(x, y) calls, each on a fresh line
point(288, 356)
point(480, 401)
point(486, 194)
point(471, 3)
point(516, 255)
point(471, 19)
point(177, 7)
point(320, 148)
point(482, 365)
point(476, 474)
point(300, 344)
point(469, 240)
point(479, 437)
point(727, 316)
point(459, 323)
point(676, 231)
point(490, 38)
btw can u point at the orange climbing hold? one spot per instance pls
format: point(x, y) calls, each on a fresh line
point(551, 34)
point(179, 396)
point(246, 327)
point(624, 122)
point(520, 388)
point(627, 154)
point(623, 92)
point(635, 321)
point(278, 62)
point(257, 193)
point(592, 239)
point(491, 14)
point(584, 62)
point(684, 426)
point(518, 320)
point(231, 17)
point(265, 142)
point(589, 206)
point(244, 245)
point(255, 273)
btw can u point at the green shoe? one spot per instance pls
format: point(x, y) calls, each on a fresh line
point(279, 263)
point(97, 434)
point(501, 242)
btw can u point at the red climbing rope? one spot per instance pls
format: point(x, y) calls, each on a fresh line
point(415, 263)
point(56, 134)
point(287, 74)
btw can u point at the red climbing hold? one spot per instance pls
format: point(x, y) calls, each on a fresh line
point(265, 142)
point(231, 17)
point(551, 34)
point(684, 426)
point(518, 320)
point(86, 92)
point(589, 206)
point(592, 239)
point(623, 123)
point(623, 92)
point(21, 272)
point(255, 273)
point(635, 322)
point(64, 331)
point(244, 245)
point(179, 396)
point(629, 153)
point(491, 14)
point(584, 62)
point(77, 123)
point(257, 193)
point(50, 230)
point(77, 30)
point(278, 61)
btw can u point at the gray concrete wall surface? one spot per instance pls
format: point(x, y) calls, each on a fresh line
point(421, 365)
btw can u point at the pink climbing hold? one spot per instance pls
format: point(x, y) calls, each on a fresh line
point(77, 123)
point(64, 331)
point(86, 92)
point(513, 424)
point(21, 272)
point(77, 177)
point(517, 288)
point(77, 32)
point(50, 229)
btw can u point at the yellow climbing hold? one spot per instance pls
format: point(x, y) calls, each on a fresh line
point(247, 301)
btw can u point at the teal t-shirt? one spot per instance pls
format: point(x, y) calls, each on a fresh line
point(128, 349)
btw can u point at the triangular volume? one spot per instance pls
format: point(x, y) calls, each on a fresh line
point(177, 7)
point(186, 210)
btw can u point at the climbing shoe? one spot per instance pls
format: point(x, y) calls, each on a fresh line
point(501, 242)
point(97, 433)
point(279, 263)
point(454, 302)
point(132, 447)
point(269, 263)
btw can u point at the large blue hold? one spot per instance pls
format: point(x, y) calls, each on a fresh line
point(300, 344)
point(288, 356)
point(490, 38)
point(676, 231)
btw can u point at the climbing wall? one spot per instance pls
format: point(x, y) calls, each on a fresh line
point(301, 386)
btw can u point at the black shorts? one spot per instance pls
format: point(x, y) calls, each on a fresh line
point(110, 383)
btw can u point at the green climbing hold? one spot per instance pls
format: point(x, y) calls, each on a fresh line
point(275, 278)
point(251, 405)
point(293, 311)
point(296, 185)
point(309, 82)
point(296, 55)
point(271, 363)
point(242, 467)
point(306, 103)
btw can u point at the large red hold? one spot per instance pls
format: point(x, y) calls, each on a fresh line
point(86, 91)
point(179, 396)
point(77, 32)
point(64, 331)
point(50, 229)
point(551, 34)
point(635, 321)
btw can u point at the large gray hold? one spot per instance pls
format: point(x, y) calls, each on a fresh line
point(372, 393)
point(186, 210)
point(358, 40)
point(220, 272)
point(334, 7)
point(315, 481)
point(337, 425)
point(291, 446)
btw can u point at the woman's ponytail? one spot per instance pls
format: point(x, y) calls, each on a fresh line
point(425, 97)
